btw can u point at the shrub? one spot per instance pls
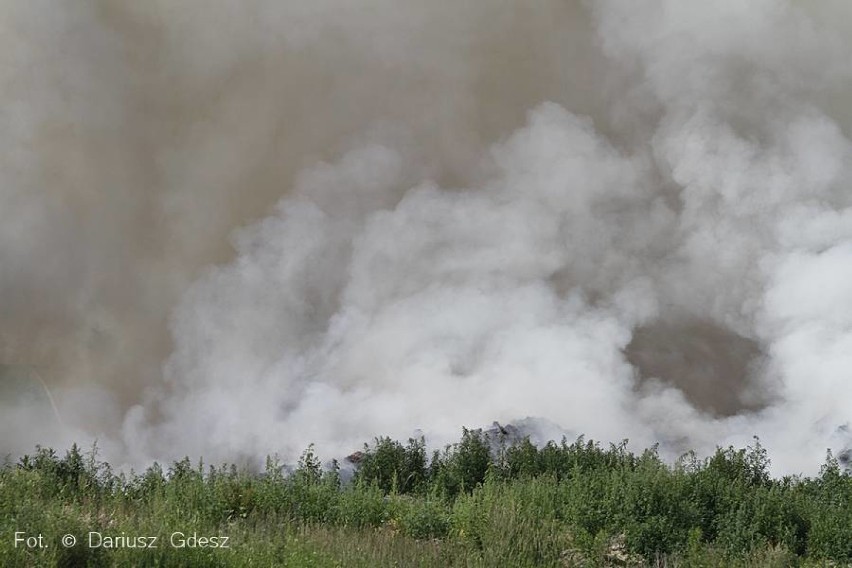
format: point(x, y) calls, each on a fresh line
point(392, 467)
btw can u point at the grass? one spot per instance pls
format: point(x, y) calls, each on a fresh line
point(473, 504)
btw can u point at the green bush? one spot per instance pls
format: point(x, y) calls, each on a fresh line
point(462, 466)
point(394, 467)
point(471, 505)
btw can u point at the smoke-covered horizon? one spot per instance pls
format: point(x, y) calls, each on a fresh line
point(232, 230)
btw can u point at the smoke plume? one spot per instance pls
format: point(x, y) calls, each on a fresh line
point(233, 229)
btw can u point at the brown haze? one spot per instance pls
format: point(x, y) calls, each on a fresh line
point(233, 228)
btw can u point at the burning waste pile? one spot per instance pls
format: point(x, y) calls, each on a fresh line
point(231, 233)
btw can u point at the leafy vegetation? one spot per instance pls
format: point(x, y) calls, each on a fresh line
point(476, 503)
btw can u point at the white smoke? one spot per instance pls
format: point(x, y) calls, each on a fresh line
point(661, 253)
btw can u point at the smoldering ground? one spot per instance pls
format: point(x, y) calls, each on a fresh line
point(232, 229)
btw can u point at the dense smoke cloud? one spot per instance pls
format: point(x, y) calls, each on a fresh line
point(232, 229)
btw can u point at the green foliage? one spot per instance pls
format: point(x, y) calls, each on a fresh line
point(576, 504)
point(309, 471)
point(394, 467)
point(462, 466)
point(830, 513)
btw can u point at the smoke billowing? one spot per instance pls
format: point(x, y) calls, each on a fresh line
point(232, 229)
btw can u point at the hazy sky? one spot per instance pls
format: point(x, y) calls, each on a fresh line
point(234, 228)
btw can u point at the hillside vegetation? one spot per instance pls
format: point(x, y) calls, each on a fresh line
point(565, 504)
